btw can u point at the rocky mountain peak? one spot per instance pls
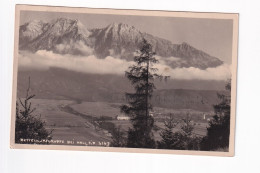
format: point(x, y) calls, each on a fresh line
point(121, 29)
point(35, 24)
point(185, 46)
point(31, 30)
point(117, 25)
point(62, 26)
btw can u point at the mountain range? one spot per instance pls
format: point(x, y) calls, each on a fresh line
point(69, 36)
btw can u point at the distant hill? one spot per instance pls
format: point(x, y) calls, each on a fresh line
point(68, 36)
point(63, 84)
point(201, 100)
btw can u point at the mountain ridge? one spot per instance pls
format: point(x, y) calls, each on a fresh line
point(70, 36)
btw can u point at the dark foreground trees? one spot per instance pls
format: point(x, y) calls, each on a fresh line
point(170, 139)
point(141, 75)
point(29, 128)
point(218, 132)
point(118, 137)
point(183, 139)
point(219, 127)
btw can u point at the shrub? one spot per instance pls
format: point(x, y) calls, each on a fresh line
point(27, 124)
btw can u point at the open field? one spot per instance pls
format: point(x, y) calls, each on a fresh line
point(67, 126)
point(98, 109)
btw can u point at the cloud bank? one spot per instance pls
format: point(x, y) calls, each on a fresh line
point(43, 60)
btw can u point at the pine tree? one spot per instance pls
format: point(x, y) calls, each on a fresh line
point(170, 140)
point(27, 124)
point(183, 139)
point(141, 75)
point(188, 139)
point(118, 138)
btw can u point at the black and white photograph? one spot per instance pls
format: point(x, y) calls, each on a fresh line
point(124, 80)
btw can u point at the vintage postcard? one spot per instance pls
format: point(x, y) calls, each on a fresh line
point(124, 80)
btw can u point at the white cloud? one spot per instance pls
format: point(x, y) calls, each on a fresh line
point(90, 64)
point(222, 72)
point(83, 48)
point(171, 59)
point(62, 47)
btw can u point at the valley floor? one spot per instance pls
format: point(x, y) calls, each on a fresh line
point(90, 123)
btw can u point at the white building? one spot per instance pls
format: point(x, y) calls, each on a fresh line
point(122, 117)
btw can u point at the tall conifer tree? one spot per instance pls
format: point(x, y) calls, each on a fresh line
point(141, 75)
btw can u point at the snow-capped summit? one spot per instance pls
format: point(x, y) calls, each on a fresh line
point(32, 29)
point(46, 36)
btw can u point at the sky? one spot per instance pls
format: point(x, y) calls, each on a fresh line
point(213, 36)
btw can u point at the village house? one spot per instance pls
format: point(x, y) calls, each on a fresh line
point(125, 117)
point(122, 117)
